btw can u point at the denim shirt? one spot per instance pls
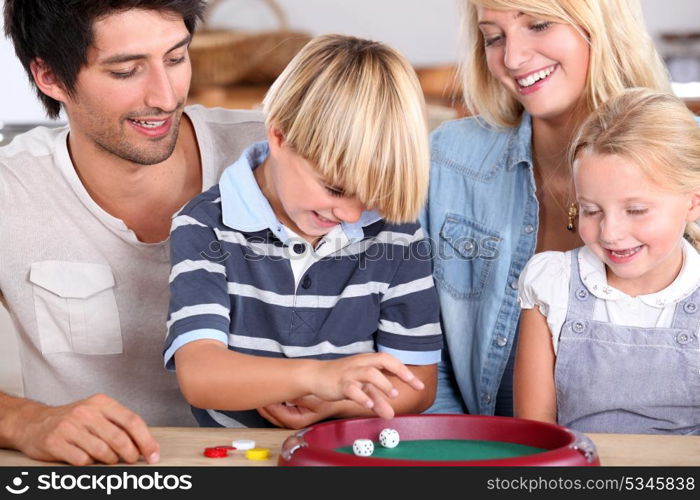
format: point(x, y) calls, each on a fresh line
point(482, 220)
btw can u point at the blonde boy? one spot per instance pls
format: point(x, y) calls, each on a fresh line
point(286, 280)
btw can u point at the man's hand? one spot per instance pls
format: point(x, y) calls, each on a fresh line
point(96, 429)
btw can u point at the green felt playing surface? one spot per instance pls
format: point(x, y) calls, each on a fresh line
point(450, 449)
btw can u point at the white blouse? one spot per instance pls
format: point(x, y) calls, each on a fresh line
point(545, 283)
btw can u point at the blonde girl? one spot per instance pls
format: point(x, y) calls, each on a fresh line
point(609, 333)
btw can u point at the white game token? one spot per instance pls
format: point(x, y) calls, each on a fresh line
point(363, 447)
point(243, 444)
point(389, 438)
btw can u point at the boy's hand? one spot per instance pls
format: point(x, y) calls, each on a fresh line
point(360, 379)
point(299, 413)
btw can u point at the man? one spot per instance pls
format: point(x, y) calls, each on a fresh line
point(86, 212)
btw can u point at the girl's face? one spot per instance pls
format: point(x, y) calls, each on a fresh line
point(633, 224)
point(542, 63)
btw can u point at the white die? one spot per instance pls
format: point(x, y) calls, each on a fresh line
point(363, 447)
point(389, 438)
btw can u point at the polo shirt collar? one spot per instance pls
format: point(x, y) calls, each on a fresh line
point(355, 231)
point(245, 208)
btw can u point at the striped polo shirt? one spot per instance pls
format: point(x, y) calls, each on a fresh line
point(366, 287)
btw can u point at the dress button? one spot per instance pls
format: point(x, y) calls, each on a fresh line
point(690, 307)
point(683, 338)
point(306, 282)
point(299, 248)
point(501, 341)
point(578, 326)
point(529, 228)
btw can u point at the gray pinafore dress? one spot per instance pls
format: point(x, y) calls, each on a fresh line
point(625, 379)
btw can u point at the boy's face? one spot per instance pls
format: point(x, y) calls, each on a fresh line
point(130, 95)
point(301, 199)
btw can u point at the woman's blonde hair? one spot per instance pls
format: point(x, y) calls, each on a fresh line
point(622, 54)
point(354, 109)
point(652, 129)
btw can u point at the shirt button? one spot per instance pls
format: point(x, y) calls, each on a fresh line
point(486, 398)
point(514, 284)
point(529, 228)
point(306, 282)
point(299, 248)
point(501, 341)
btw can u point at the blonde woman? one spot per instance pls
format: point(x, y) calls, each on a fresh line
point(500, 189)
point(307, 258)
point(609, 332)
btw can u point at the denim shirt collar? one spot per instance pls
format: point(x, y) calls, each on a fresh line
point(245, 208)
point(519, 149)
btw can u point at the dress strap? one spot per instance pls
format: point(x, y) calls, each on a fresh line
point(687, 313)
point(581, 301)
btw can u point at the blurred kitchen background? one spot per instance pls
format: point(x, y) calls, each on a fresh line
point(268, 32)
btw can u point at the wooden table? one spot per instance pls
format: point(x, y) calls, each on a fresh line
point(184, 446)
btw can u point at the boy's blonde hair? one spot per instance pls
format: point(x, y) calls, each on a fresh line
point(354, 109)
point(655, 131)
point(622, 54)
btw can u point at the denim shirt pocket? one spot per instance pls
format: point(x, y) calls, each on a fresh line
point(466, 251)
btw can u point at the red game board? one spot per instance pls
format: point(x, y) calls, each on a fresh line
point(320, 444)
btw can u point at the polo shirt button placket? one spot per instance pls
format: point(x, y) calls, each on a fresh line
point(306, 282)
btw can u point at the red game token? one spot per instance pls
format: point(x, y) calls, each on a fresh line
point(215, 452)
point(224, 447)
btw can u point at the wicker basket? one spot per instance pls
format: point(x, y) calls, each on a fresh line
point(224, 57)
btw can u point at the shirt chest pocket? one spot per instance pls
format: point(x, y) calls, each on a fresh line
point(76, 310)
point(467, 251)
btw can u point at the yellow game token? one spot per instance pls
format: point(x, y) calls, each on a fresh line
point(257, 454)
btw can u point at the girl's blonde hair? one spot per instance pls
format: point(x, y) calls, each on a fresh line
point(354, 109)
point(622, 54)
point(655, 131)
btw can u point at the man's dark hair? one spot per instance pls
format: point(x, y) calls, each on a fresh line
point(60, 32)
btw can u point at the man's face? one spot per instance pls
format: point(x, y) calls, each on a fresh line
point(130, 96)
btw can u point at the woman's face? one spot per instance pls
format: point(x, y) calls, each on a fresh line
point(542, 63)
